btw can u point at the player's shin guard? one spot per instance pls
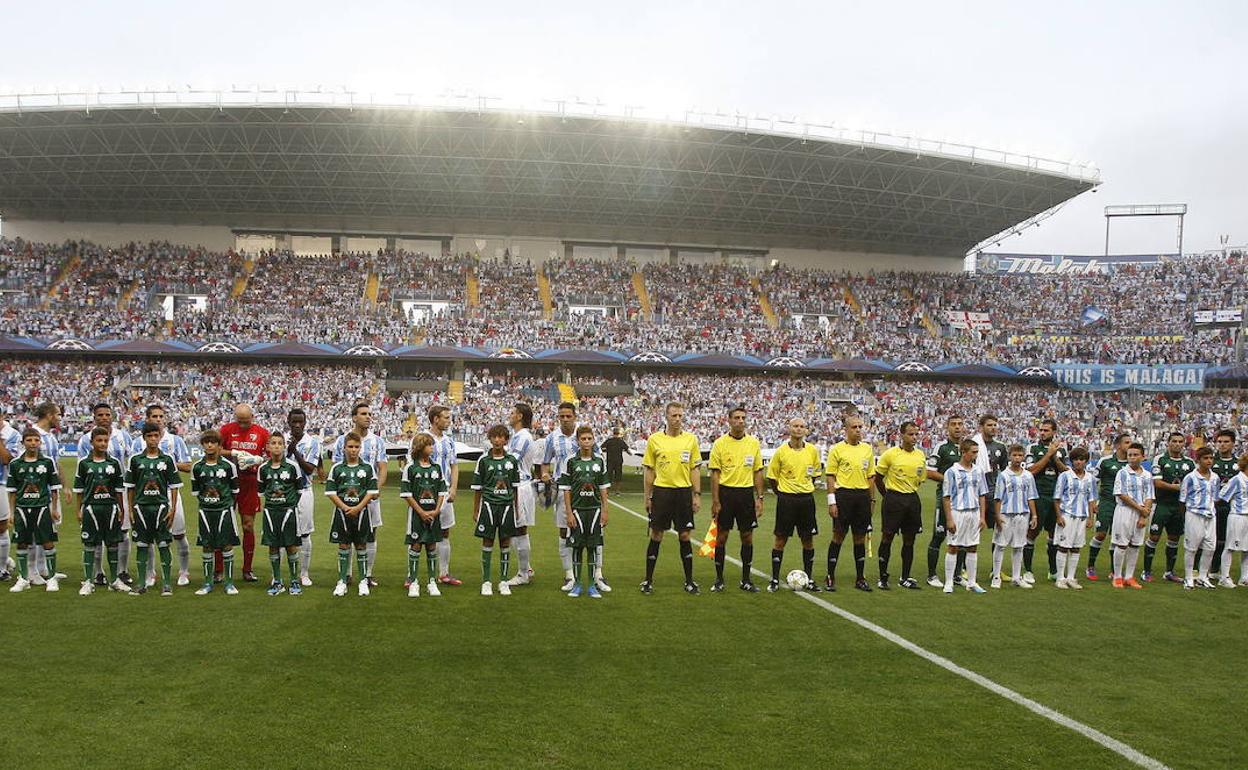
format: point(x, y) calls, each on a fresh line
point(593, 562)
point(444, 557)
point(344, 564)
point(110, 553)
point(1206, 561)
point(88, 562)
point(413, 564)
point(23, 562)
point(578, 554)
point(487, 554)
point(720, 552)
point(209, 565)
point(305, 554)
point(370, 556)
point(686, 559)
point(523, 551)
point(1150, 553)
point(1061, 565)
point(1072, 564)
point(1172, 554)
point(249, 549)
point(275, 562)
point(184, 553)
point(747, 560)
point(951, 567)
point(293, 562)
point(776, 558)
point(361, 564)
point(1133, 556)
point(886, 548)
point(1094, 551)
point(1189, 565)
point(39, 562)
point(99, 558)
point(166, 565)
point(652, 556)
point(565, 557)
point(49, 558)
point(431, 557)
point(123, 553)
point(1119, 557)
point(141, 554)
point(227, 566)
point(504, 564)
point(998, 558)
point(972, 565)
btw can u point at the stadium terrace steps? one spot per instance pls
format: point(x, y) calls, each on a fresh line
point(543, 291)
point(765, 304)
point(472, 286)
point(372, 287)
point(123, 302)
point(455, 391)
point(70, 265)
point(852, 301)
point(643, 296)
point(567, 392)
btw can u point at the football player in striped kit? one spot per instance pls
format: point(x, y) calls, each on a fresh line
point(304, 450)
point(1076, 501)
point(447, 459)
point(373, 454)
point(1198, 492)
point(560, 445)
point(1133, 487)
point(1235, 495)
point(522, 447)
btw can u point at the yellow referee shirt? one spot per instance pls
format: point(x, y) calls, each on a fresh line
point(794, 469)
point(736, 459)
point(902, 471)
point(672, 458)
point(851, 465)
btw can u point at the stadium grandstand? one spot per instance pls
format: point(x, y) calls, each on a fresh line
point(200, 247)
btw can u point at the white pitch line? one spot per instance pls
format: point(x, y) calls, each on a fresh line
point(1091, 733)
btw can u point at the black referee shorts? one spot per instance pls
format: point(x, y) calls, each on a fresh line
point(671, 508)
point(901, 512)
point(736, 506)
point(853, 511)
point(795, 512)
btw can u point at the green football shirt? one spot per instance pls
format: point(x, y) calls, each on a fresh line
point(215, 485)
point(945, 456)
point(584, 477)
point(1106, 471)
point(280, 484)
point(496, 477)
point(352, 483)
point(151, 478)
point(1046, 477)
point(423, 482)
point(33, 481)
point(99, 482)
point(1171, 470)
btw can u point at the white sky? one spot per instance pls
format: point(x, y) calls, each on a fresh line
point(1155, 93)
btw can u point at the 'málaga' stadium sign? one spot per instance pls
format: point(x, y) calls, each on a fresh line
point(1056, 264)
point(1166, 377)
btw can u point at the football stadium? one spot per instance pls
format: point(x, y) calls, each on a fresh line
point(338, 394)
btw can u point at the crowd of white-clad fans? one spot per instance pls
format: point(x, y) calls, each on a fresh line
point(82, 290)
point(200, 395)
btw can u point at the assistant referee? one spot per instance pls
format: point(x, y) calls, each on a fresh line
point(850, 468)
point(791, 473)
point(673, 490)
point(736, 466)
point(900, 472)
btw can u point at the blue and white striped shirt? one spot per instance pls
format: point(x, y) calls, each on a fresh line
point(444, 453)
point(309, 448)
point(372, 450)
point(12, 439)
point(50, 447)
point(559, 447)
point(520, 446)
point(1075, 493)
point(1235, 492)
point(964, 487)
point(118, 446)
point(1198, 493)
point(1015, 490)
point(170, 443)
point(1137, 486)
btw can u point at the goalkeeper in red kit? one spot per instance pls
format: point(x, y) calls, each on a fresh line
point(244, 442)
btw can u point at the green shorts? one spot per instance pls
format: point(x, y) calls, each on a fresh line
point(351, 530)
point(150, 525)
point(281, 527)
point(1105, 515)
point(1046, 514)
point(101, 525)
point(420, 532)
point(496, 520)
point(588, 530)
point(33, 526)
point(216, 529)
point(1168, 517)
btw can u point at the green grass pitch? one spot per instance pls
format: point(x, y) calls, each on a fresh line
point(710, 681)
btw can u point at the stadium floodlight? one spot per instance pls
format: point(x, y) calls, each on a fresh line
point(1177, 210)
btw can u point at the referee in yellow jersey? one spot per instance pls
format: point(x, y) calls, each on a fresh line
point(792, 473)
point(899, 473)
point(850, 467)
point(736, 466)
point(673, 490)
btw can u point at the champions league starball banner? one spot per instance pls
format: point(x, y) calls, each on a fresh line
point(1165, 377)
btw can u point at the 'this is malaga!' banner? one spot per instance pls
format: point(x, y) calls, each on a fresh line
point(1164, 377)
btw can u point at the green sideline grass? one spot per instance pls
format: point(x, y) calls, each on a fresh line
point(629, 681)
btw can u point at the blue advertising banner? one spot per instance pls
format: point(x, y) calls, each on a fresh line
point(1164, 377)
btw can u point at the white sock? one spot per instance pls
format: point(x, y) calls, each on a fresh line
point(123, 553)
point(1133, 556)
point(444, 556)
point(1189, 564)
point(370, 556)
point(951, 565)
point(4, 550)
point(184, 554)
point(598, 566)
point(1119, 554)
point(998, 558)
point(1016, 564)
point(1061, 563)
point(40, 565)
point(305, 555)
point(565, 557)
point(1206, 561)
point(1243, 564)
point(99, 559)
point(521, 544)
point(972, 561)
point(1072, 564)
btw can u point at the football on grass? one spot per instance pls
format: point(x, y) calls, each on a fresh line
point(797, 580)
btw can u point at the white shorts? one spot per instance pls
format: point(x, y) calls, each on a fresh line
point(967, 525)
point(307, 522)
point(1200, 532)
point(4, 505)
point(374, 513)
point(561, 518)
point(447, 516)
point(179, 519)
point(125, 513)
point(1237, 532)
point(1013, 533)
point(1125, 532)
point(1073, 535)
point(526, 504)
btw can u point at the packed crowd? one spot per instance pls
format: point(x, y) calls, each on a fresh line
point(897, 316)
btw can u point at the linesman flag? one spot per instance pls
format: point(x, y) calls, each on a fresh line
point(712, 537)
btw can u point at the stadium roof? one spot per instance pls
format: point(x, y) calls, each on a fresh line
point(293, 161)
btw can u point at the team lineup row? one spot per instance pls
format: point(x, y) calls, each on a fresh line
point(128, 489)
